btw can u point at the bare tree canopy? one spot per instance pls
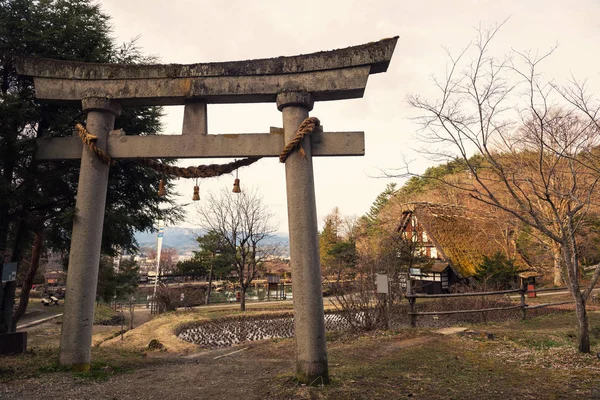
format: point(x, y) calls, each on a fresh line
point(528, 146)
point(245, 225)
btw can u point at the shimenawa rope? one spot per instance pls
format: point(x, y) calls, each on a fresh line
point(307, 127)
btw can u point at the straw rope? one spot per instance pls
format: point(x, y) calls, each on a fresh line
point(307, 127)
point(90, 140)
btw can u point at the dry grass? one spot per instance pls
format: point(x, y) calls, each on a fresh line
point(529, 359)
point(161, 328)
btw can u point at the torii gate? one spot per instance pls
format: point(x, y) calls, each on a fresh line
point(293, 83)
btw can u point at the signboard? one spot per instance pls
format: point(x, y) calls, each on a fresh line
point(9, 272)
point(415, 271)
point(382, 283)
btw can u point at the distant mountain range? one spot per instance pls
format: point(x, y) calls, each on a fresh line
point(184, 239)
point(180, 238)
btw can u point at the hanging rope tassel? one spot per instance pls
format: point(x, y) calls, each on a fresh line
point(236, 183)
point(236, 186)
point(308, 126)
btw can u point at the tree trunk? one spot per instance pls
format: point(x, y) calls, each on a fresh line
point(569, 252)
point(8, 163)
point(131, 312)
point(29, 277)
point(243, 299)
point(7, 297)
point(8, 167)
point(582, 321)
point(558, 281)
point(208, 290)
point(4, 227)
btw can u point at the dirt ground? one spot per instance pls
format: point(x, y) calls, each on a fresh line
point(527, 360)
point(166, 376)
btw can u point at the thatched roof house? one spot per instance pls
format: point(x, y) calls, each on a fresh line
point(459, 235)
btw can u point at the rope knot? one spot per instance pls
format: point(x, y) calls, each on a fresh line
point(90, 140)
point(307, 127)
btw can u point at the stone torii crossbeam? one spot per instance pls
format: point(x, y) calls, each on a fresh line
point(293, 83)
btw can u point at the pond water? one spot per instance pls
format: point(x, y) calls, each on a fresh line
point(252, 294)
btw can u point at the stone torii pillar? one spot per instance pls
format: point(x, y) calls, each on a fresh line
point(309, 319)
point(84, 256)
point(292, 82)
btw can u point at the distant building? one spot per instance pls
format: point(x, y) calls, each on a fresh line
point(55, 278)
point(278, 267)
point(455, 239)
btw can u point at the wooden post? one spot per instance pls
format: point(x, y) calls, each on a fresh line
point(523, 305)
point(411, 302)
point(413, 317)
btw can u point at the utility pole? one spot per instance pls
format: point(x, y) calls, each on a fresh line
point(159, 240)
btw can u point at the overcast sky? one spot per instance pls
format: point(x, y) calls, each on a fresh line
point(180, 31)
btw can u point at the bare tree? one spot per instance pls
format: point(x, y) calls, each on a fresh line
point(245, 225)
point(524, 148)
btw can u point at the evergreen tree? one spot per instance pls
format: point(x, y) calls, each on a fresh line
point(40, 197)
point(329, 237)
point(380, 201)
point(191, 267)
point(497, 272)
point(344, 257)
point(212, 255)
point(118, 282)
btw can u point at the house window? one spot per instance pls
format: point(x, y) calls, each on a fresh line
point(434, 252)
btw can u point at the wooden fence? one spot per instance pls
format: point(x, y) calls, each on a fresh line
point(412, 299)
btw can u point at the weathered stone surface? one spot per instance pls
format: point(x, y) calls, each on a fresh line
point(84, 256)
point(309, 322)
point(324, 85)
point(101, 104)
point(203, 146)
point(195, 118)
point(377, 55)
point(302, 99)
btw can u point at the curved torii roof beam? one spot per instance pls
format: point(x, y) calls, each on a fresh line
point(327, 75)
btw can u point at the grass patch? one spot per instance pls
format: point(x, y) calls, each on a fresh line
point(528, 360)
point(543, 343)
point(532, 359)
point(101, 371)
point(441, 368)
point(105, 315)
point(38, 361)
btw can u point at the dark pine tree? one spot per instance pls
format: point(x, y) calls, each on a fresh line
point(37, 199)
